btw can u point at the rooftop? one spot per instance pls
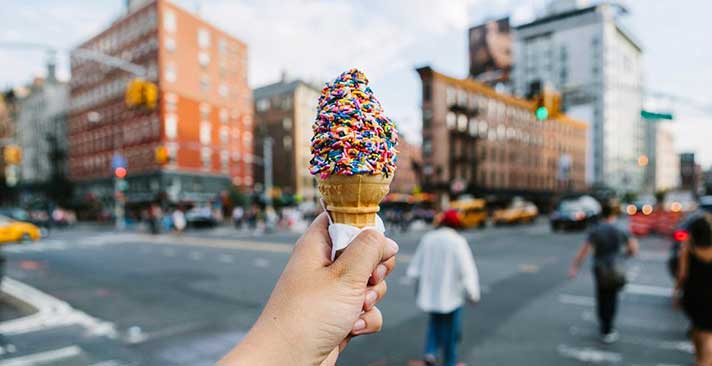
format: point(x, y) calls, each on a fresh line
point(481, 88)
point(281, 87)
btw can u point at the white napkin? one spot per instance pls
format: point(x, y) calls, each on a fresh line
point(342, 234)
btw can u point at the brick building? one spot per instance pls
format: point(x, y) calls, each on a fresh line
point(478, 141)
point(203, 117)
point(285, 111)
point(409, 161)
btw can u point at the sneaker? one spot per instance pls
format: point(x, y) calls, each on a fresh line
point(611, 337)
point(430, 360)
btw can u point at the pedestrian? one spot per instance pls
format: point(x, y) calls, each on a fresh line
point(608, 242)
point(693, 290)
point(178, 220)
point(318, 305)
point(447, 277)
point(237, 214)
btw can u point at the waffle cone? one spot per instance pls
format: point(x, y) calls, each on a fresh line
point(354, 199)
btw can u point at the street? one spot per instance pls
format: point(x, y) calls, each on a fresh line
point(134, 299)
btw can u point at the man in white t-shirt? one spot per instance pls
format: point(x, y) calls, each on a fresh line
point(447, 277)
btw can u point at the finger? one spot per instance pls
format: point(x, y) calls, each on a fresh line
point(374, 294)
point(369, 322)
point(382, 271)
point(315, 245)
point(391, 249)
point(361, 257)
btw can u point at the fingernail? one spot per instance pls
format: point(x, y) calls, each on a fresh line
point(359, 325)
point(391, 247)
point(371, 297)
point(380, 273)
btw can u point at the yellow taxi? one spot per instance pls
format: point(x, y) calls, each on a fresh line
point(473, 212)
point(518, 211)
point(12, 231)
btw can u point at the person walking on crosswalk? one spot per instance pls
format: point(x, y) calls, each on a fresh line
point(447, 277)
point(607, 241)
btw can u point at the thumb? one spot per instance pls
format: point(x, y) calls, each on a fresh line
point(361, 256)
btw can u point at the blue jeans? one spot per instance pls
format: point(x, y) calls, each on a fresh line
point(444, 332)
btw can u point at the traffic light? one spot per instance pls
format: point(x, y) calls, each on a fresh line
point(150, 95)
point(120, 172)
point(162, 156)
point(134, 93)
point(542, 113)
point(12, 154)
point(140, 92)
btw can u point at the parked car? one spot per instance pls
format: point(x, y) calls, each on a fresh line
point(200, 217)
point(575, 213)
point(473, 212)
point(12, 231)
point(519, 211)
point(644, 205)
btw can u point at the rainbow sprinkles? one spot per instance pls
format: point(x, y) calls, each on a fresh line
point(351, 133)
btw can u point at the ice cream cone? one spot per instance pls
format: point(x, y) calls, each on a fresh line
point(354, 199)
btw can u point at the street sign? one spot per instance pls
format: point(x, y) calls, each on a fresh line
point(654, 115)
point(118, 161)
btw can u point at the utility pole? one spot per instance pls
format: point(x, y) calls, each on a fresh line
point(270, 215)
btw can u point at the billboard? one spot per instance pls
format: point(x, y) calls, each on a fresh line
point(491, 51)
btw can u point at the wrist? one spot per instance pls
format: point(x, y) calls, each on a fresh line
point(262, 345)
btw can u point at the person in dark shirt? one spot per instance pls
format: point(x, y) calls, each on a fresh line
point(693, 290)
point(607, 242)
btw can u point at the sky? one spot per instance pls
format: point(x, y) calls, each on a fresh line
point(316, 40)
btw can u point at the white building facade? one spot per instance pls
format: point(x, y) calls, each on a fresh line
point(41, 130)
point(586, 54)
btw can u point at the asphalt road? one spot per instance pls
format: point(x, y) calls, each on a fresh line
point(134, 299)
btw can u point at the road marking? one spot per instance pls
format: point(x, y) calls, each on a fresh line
point(226, 258)
point(648, 290)
point(51, 312)
point(110, 363)
point(43, 357)
point(528, 268)
point(260, 263)
point(588, 354)
point(577, 300)
point(667, 345)
point(627, 321)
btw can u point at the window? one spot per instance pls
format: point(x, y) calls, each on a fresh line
point(171, 126)
point(287, 123)
point(169, 21)
point(204, 111)
point(427, 146)
point(171, 102)
point(262, 104)
point(450, 96)
point(223, 90)
point(287, 103)
point(203, 59)
point(222, 45)
point(450, 120)
point(223, 115)
point(427, 118)
point(224, 134)
point(206, 157)
point(205, 128)
point(247, 138)
point(170, 72)
point(426, 92)
point(205, 83)
point(203, 38)
point(224, 159)
point(462, 123)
